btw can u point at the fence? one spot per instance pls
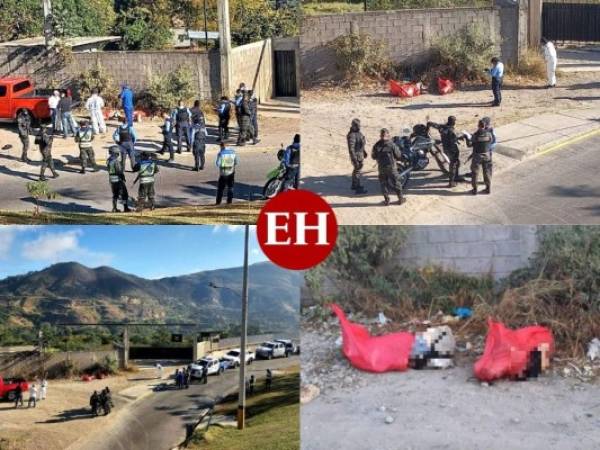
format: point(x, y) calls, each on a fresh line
point(571, 22)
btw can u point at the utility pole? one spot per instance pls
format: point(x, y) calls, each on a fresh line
point(205, 26)
point(48, 24)
point(42, 359)
point(224, 46)
point(125, 347)
point(241, 412)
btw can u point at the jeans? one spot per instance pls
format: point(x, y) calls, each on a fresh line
point(53, 119)
point(497, 90)
point(127, 149)
point(129, 115)
point(67, 123)
point(225, 181)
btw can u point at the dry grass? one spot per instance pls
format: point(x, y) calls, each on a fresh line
point(531, 68)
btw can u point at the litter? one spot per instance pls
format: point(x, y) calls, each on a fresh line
point(373, 353)
point(445, 86)
point(463, 312)
point(594, 349)
point(404, 89)
point(433, 349)
point(382, 319)
point(520, 354)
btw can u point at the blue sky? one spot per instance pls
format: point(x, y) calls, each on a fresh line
point(146, 251)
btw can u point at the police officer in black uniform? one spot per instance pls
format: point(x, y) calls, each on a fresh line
point(481, 141)
point(116, 178)
point(199, 148)
point(183, 117)
point(44, 141)
point(386, 153)
point(356, 148)
point(24, 129)
point(224, 112)
point(450, 139)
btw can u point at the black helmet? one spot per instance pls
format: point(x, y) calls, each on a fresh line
point(451, 121)
point(486, 121)
point(113, 149)
point(356, 124)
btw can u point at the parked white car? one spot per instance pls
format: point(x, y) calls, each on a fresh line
point(269, 350)
point(290, 347)
point(235, 355)
point(211, 365)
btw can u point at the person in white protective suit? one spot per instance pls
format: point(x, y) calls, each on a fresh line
point(94, 105)
point(551, 60)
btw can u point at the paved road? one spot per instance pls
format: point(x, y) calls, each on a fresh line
point(176, 184)
point(162, 420)
point(559, 187)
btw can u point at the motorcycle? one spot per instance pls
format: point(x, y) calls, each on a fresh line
point(275, 178)
point(415, 147)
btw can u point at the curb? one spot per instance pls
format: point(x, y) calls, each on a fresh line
point(544, 149)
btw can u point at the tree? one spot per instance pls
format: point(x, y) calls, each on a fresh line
point(20, 19)
point(145, 24)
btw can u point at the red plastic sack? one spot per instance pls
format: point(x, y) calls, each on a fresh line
point(507, 351)
point(404, 89)
point(445, 86)
point(373, 353)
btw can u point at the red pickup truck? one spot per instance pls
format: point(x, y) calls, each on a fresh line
point(8, 388)
point(18, 98)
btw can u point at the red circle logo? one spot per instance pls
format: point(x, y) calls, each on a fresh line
point(297, 229)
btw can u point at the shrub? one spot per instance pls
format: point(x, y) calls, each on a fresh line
point(359, 55)
point(165, 90)
point(39, 189)
point(256, 20)
point(463, 55)
point(531, 65)
point(98, 78)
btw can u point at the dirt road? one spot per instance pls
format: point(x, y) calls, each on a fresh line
point(445, 409)
point(326, 117)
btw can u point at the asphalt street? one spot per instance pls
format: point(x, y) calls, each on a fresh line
point(162, 420)
point(558, 187)
point(177, 184)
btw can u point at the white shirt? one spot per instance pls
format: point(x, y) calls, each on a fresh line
point(32, 392)
point(53, 101)
point(94, 103)
point(550, 52)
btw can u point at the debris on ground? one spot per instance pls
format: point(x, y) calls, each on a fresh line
point(594, 349)
point(308, 393)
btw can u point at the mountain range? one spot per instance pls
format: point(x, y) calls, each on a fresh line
point(71, 292)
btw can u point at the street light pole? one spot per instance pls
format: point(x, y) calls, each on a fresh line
point(241, 412)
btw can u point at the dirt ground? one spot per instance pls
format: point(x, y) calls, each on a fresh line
point(441, 409)
point(327, 113)
point(64, 416)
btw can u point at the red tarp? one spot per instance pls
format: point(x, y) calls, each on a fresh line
point(507, 351)
point(404, 89)
point(373, 353)
point(445, 86)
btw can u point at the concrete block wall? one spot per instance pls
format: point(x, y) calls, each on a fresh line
point(473, 250)
point(134, 68)
point(407, 34)
point(253, 64)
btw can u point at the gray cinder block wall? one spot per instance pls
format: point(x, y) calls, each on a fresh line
point(253, 64)
point(407, 34)
point(473, 250)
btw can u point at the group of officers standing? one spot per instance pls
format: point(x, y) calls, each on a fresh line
point(388, 154)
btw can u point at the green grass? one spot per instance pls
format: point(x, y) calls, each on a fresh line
point(272, 420)
point(331, 8)
point(237, 213)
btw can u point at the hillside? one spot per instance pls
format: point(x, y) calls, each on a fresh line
point(71, 292)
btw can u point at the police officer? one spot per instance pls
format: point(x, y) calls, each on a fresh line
point(356, 148)
point(226, 162)
point(253, 103)
point(291, 160)
point(182, 120)
point(24, 128)
point(44, 141)
point(386, 153)
point(224, 112)
point(481, 141)
point(95, 402)
point(116, 178)
point(237, 103)
point(197, 120)
point(147, 168)
point(199, 148)
point(84, 136)
point(167, 132)
point(125, 136)
point(450, 145)
point(246, 129)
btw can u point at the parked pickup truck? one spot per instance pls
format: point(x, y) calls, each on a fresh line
point(269, 350)
point(290, 348)
point(212, 366)
point(235, 355)
point(18, 98)
point(8, 388)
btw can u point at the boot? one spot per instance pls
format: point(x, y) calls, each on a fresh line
point(114, 208)
point(401, 200)
point(151, 205)
point(452, 184)
point(487, 190)
point(386, 201)
point(474, 191)
point(82, 170)
point(255, 141)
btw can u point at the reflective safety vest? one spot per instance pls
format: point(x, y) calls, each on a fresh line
point(124, 135)
point(482, 141)
point(227, 163)
point(113, 175)
point(147, 170)
point(84, 137)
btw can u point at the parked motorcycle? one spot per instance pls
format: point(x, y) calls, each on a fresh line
point(415, 146)
point(275, 178)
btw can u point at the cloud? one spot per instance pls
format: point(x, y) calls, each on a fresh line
point(255, 251)
point(7, 237)
point(216, 228)
point(62, 246)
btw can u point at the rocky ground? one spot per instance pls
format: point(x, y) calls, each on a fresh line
point(350, 409)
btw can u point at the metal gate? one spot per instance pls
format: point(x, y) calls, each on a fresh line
point(181, 353)
point(285, 73)
point(571, 22)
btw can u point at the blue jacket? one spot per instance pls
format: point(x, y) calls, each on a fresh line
point(498, 71)
point(116, 137)
point(126, 98)
point(288, 154)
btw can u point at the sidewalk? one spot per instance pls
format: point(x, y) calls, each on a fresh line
point(526, 137)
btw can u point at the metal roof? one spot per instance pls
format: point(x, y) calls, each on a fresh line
point(69, 42)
